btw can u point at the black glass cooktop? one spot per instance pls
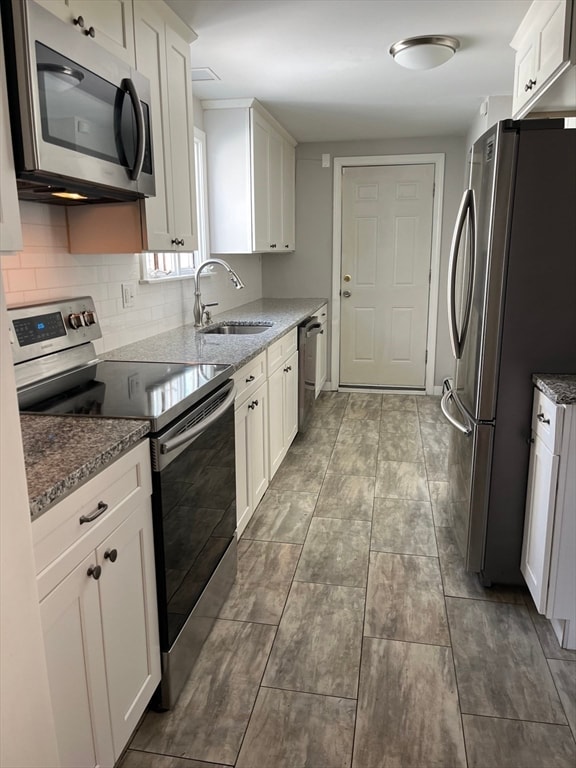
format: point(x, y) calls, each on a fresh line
point(158, 392)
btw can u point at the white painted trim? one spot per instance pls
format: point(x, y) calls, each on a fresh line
point(438, 160)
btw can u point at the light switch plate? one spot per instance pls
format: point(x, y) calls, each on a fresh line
point(128, 294)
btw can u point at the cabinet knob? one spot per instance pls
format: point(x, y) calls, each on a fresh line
point(287, 245)
point(177, 241)
point(94, 571)
point(249, 379)
point(90, 32)
point(79, 22)
point(287, 369)
point(111, 554)
point(253, 404)
point(529, 85)
point(542, 419)
point(272, 245)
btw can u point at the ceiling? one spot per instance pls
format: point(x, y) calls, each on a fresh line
point(322, 67)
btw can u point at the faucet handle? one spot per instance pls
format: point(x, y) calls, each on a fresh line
point(206, 313)
point(212, 304)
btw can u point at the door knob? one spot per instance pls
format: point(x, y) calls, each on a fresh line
point(346, 294)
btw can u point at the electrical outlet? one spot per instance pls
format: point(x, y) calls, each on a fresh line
point(128, 293)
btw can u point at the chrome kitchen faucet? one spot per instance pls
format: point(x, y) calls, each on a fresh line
point(199, 308)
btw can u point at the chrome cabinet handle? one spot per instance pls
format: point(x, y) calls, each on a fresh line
point(542, 419)
point(95, 571)
point(111, 554)
point(100, 509)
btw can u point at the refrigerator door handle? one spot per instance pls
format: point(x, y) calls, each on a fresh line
point(466, 212)
point(466, 429)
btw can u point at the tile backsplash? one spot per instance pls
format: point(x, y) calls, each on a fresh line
point(45, 270)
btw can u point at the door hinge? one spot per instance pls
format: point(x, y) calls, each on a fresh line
point(426, 358)
point(429, 275)
point(433, 188)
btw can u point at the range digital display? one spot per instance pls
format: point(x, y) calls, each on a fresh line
point(31, 330)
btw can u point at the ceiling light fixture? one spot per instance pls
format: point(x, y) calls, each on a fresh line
point(425, 52)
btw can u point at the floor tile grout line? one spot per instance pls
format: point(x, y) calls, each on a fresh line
point(308, 693)
point(516, 719)
point(559, 697)
point(178, 757)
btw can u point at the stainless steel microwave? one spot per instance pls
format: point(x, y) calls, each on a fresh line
point(80, 118)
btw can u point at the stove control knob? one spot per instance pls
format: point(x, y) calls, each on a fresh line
point(75, 320)
point(89, 317)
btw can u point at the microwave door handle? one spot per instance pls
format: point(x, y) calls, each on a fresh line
point(197, 429)
point(455, 340)
point(130, 89)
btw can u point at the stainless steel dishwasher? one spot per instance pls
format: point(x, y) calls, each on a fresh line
point(307, 352)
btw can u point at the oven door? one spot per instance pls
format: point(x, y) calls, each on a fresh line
point(84, 114)
point(194, 508)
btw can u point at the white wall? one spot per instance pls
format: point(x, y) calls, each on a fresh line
point(45, 270)
point(308, 271)
point(26, 725)
point(493, 109)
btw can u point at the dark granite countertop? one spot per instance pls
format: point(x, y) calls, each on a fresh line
point(560, 388)
point(188, 345)
point(62, 452)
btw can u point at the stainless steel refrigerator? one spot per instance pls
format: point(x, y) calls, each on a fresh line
point(512, 313)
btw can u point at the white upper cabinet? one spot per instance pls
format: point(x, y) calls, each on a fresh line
point(167, 221)
point(251, 177)
point(544, 45)
point(10, 229)
point(109, 23)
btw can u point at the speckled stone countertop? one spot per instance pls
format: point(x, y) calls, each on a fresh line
point(62, 452)
point(560, 388)
point(188, 345)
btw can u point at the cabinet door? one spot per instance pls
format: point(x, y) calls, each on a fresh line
point(151, 61)
point(181, 139)
point(258, 445)
point(10, 230)
point(129, 621)
point(288, 241)
point(113, 25)
point(525, 72)
point(111, 20)
point(275, 191)
point(260, 183)
point(76, 670)
point(243, 508)
point(276, 419)
point(321, 358)
point(539, 521)
point(290, 400)
point(551, 50)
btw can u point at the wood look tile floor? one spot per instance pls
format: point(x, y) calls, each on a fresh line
point(353, 637)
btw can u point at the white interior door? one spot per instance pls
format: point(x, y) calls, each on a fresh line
point(385, 274)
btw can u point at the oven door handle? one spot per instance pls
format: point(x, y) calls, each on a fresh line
point(197, 429)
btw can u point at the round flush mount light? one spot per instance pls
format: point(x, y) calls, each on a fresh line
point(425, 52)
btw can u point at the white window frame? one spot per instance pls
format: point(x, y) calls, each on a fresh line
point(157, 267)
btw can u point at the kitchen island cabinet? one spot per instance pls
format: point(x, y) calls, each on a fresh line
point(96, 583)
point(251, 178)
point(549, 546)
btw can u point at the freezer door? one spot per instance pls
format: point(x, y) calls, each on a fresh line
point(469, 462)
point(491, 183)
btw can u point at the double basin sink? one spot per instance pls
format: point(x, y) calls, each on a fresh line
point(233, 328)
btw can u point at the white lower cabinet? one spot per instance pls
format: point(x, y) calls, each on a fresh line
point(251, 423)
point(98, 609)
point(283, 397)
point(322, 350)
point(549, 547)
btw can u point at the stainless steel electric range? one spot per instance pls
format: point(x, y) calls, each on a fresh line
point(191, 415)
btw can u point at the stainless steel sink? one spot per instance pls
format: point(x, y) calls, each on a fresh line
point(237, 328)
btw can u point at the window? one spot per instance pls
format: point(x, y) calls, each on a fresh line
point(179, 266)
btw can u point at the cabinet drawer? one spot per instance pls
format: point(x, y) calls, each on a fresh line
point(281, 350)
point(249, 378)
point(547, 421)
point(125, 482)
